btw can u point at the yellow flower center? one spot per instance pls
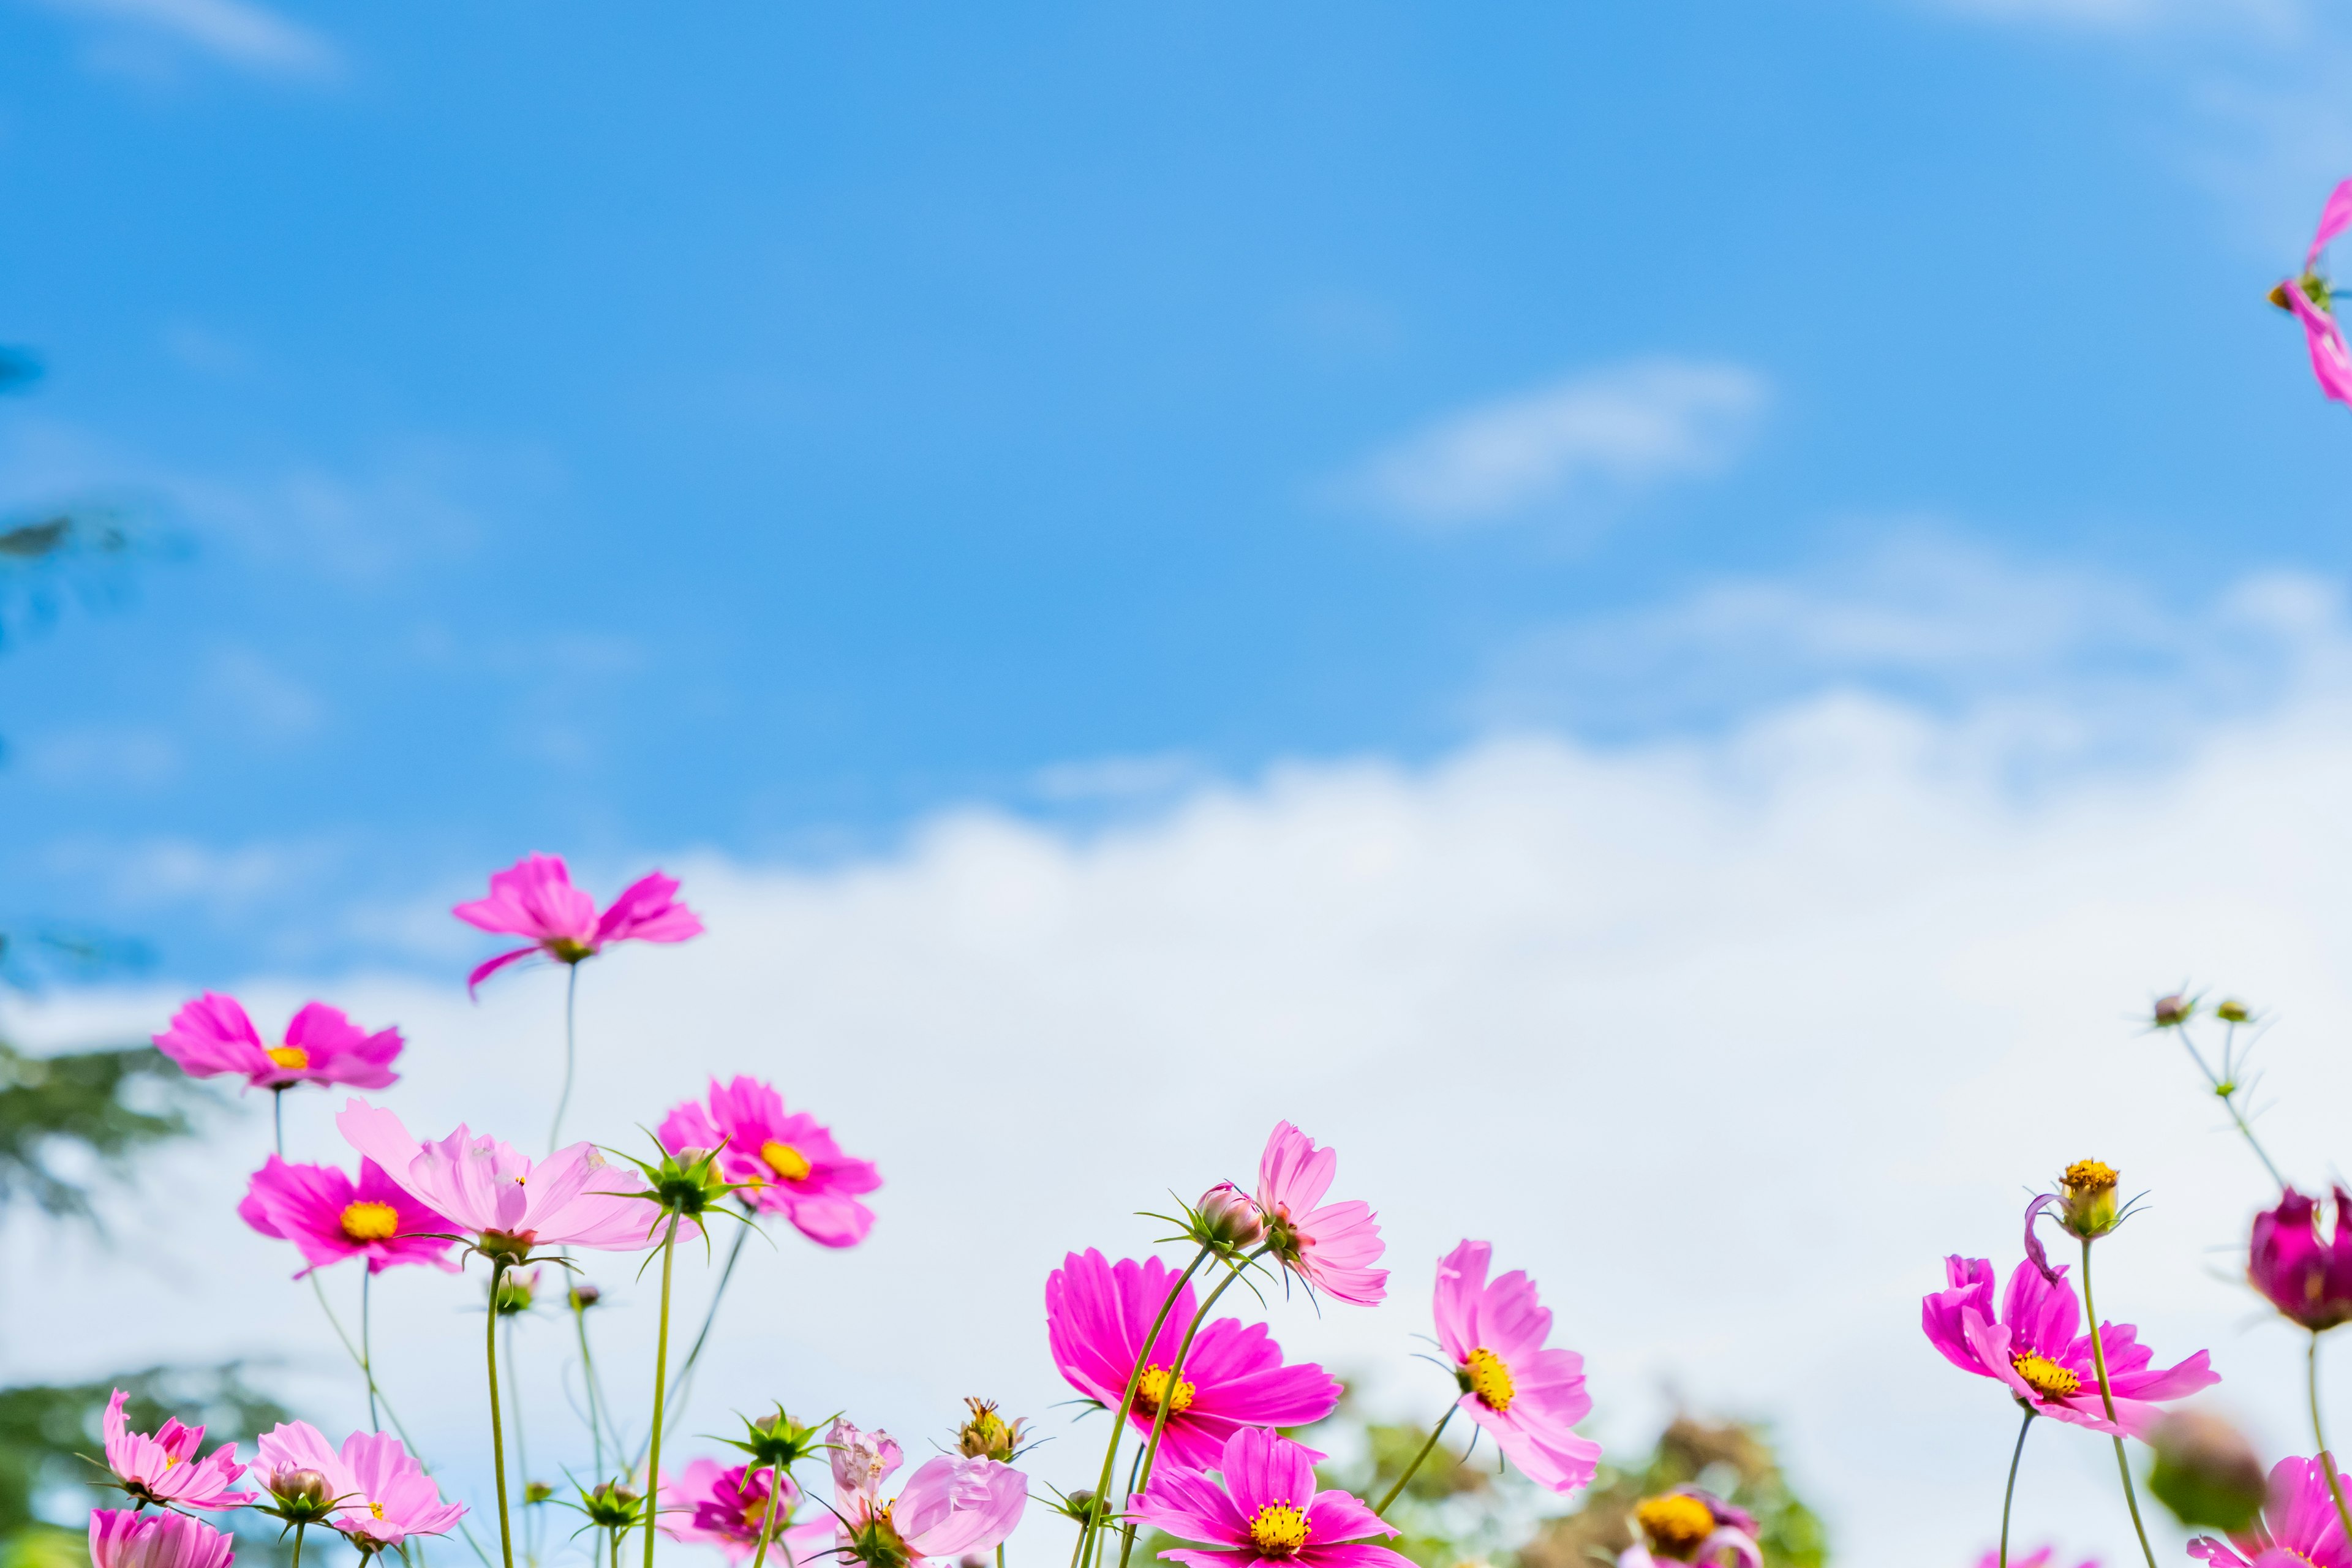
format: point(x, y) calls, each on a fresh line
point(1279, 1530)
point(1153, 1390)
point(786, 1161)
point(366, 1221)
point(2088, 1176)
point(1677, 1524)
point(376, 1508)
point(1490, 1380)
point(2045, 1376)
point(293, 1058)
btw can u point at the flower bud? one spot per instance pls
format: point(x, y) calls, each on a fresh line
point(2173, 1011)
point(2232, 1011)
point(515, 1292)
point(2206, 1472)
point(536, 1492)
point(611, 1505)
point(2307, 1276)
point(985, 1435)
point(1229, 1217)
point(1078, 1505)
point(2087, 1193)
point(584, 1296)
point(302, 1495)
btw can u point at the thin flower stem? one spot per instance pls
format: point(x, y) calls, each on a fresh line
point(2107, 1396)
point(661, 1385)
point(2229, 1099)
point(1092, 1529)
point(278, 1120)
point(768, 1517)
point(588, 1367)
point(522, 1454)
point(1411, 1470)
point(1159, 1416)
point(498, 1428)
point(2009, 1491)
point(298, 1544)
point(570, 996)
point(2326, 1464)
point(685, 1379)
point(367, 1345)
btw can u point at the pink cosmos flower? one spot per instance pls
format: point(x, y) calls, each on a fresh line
point(950, 1506)
point(2036, 1351)
point(164, 1469)
point(328, 1218)
point(1529, 1398)
point(124, 1538)
point(793, 1167)
point(1267, 1512)
point(2330, 360)
point(712, 1506)
point(1331, 1246)
point(572, 1198)
point(535, 898)
point(1096, 1315)
point(382, 1493)
point(1690, 1525)
point(2307, 1278)
point(213, 1035)
point(2042, 1557)
point(2298, 1527)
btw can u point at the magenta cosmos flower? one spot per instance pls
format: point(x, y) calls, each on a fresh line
point(572, 1198)
point(1266, 1511)
point(2033, 1349)
point(950, 1506)
point(328, 1218)
point(534, 898)
point(123, 1538)
point(2042, 1557)
point(213, 1035)
point(726, 1508)
point(2306, 1277)
point(1689, 1525)
point(381, 1494)
point(164, 1468)
point(1529, 1398)
point(790, 1165)
point(1331, 1246)
point(1096, 1317)
point(2313, 303)
point(2298, 1527)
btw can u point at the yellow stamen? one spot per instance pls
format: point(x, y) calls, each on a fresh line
point(785, 1160)
point(2045, 1376)
point(1490, 1380)
point(1677, 1524)
point(1153, 1389)
point(366, 1221)
point(2088, 1176)
point(376, 1508)
point(293, 1058)
point(1279, 1530)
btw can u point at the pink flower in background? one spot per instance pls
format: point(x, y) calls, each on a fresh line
point(791, 1164)
point(1688, 1525)
point(1267, 1512)
point(2034, 1351)
point(572, 1198)
point(534, 898)
point(213, 1035)
point(726, 1508)
point(1529, 1398)
point(2309, 297)
point(950, 1506)
point(861, 1461)
point(122, 1538)
point(328, 1218)
point(1096, 1315)
point(382, 1493)
point(2298, 1525)
point(1331, 1246)
point(164, 1468)
point(2042, 1557)
point(2307, 1278)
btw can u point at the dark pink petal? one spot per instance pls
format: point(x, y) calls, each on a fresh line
point(1262, 1466)
point(1939, 1313)
point(1352, 1555)
point(534, 898)
point(2334, 218)
point(491, 966)
point(213, 1035)
point(1336, 1516)
point(647, 911)
point(2331, 362)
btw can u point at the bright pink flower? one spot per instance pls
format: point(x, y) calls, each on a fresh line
point(1529, 1398)
point(122, 1538)
point(2330, 360)
point(2034, 1349)
point(950, 1506)
point(572, 1198)
point(708, 1505)
point(382, 1493)
point(2298, 1527)
point(328, 1218)
point(2042, 1557)
point(535, 898)
point(1096, 1315)
point(213, 1035)
point(164, 1469)
point(1331, 1246)
point(2307, 1278)
point(793, 1167)
point(1266, 1511)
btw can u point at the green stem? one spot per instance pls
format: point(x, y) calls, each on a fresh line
point(2326, 1464)
point(522, 1452)
point(2107, 1395)
point(2010, 1492)
point(685, 1380)
point(298, 1527)
point(661, 1385)
point(1094, 1515)
point(1411, 1470)
point(588, 1375)
point(367, 1345)
point(768, 1518)
point(497, 1427)
point(278, 1119)
point(1159, 1416)
point(571, 995)
point(2230, 1102)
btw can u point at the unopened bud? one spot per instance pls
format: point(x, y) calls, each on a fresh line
point(2206, 1472)
point(611, 1505)
point(515, 1292)
point(302, 1494)
point(1228, 1216)
point(537, 1491)
point(1079, 1505)
point(985, 1435)
point(584, 1296)
point(2233, 1011)
point(2173, 1011)
point(2088, 1188)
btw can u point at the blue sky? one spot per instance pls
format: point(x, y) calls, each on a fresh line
point(757, 429)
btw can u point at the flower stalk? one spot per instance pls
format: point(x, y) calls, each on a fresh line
point(2106, 1395)
point(1089, 1532)
point(2326, 1460)
point(498, 1425)
point(661, 1386)
point(1142, 1477)
point(2009, 1492)
point(1412, 1469)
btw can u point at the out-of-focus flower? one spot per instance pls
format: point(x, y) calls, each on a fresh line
point(1688, 1525)
point(2040, 1557)
point(2232, 1011)
point(2298, 1525)
point(575, 1197)
point(518, 1288)
point(329, 1216)
point(2171, 1011)
point(534, 898)
point(1266, 1511)
point(1529, 1398)
point(1331, 1246)
point(1096, 1317)
point(985, 1435)
point(213, 1035)
point(164, 1468)
point(787, 1164)
point(380, 1494)
point(583, 1295)
point(714, 1506)
point(2034, 1352)
point(950, 1506)
point(611, 1505)
point(2313, 303)
point(123, 1538)
point(861, 1460)
point(2206, 1472)
point(2306, 1277)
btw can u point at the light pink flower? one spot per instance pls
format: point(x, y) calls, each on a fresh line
point(214, 1034)
point(1331, 1246)
point(2034, 1352)
point(164, 1468)
point(1096, 1315)
point(535, 898)
point(123, 1538)
point(2298, 1527)
point(382, 1493)
point(791, 1164)
point(1266, 1512)
point(1527, 1397)
point(328, 1218)
point(708, 1505)
point(572, 1198)
point(2040, 1557)
point(1719, 1534)
point(950, 1506)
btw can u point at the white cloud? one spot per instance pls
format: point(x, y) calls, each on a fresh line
point(237, 33)
point(1580, 440)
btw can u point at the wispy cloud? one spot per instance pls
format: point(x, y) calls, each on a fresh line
point(236, 33)
point(1590, 435)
